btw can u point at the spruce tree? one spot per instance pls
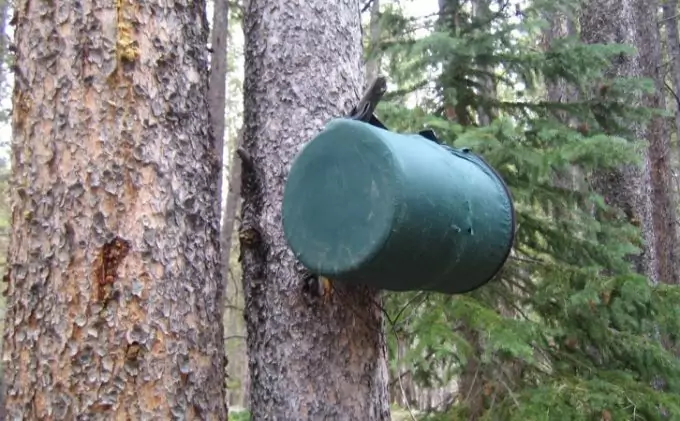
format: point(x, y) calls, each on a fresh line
point(567, 331)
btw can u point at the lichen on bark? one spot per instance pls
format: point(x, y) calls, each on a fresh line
point(115, 297)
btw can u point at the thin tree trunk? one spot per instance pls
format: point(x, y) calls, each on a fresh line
point(485, 113)
point(310, 359)
point(234, 325)
point(373, 63)
point(629, 187)
point(473, 377)
point(658, 135)
point(401, 379)
point(670, 17)
point(232, 205)
point(4, 7)
point(115, 300)
point(217, 92)
point(561, 26)
point(473, 374)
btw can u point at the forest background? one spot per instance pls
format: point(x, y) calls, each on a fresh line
point(577, 106)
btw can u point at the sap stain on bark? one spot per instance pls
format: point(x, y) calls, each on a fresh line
point(126, 46)
point(106, 270)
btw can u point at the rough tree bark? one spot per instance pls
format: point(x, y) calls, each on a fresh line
point(309, 359)
point(634, 188)
point(115, 300)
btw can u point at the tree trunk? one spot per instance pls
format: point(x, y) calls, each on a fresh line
point(629, 187)
point(4, 7)
point(401, 380)
point(232, 204)
point(561, 26)
point(485, 113)
point(115, 300)
point(217, 92)
point(234, 324)
point(670, 11)
point(310, 359)
point(231, 272)
point(5, 90)
point(373, 63)
point(561, 91)
point(473, 378)
point(670, 18)
point(658, 135)
point(473, 374)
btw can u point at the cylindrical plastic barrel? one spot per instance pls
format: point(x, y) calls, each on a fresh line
point(396, 211)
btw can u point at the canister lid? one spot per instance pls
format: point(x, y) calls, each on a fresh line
point(340, 198)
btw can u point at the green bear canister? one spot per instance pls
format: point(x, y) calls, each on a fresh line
point(399, 212)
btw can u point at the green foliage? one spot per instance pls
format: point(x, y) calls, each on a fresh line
point(567, 331)
point(239, 415)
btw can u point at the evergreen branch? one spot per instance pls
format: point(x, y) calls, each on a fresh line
point(528, 260)
point(515, 307)
point(515, 284)
point(408, 303)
